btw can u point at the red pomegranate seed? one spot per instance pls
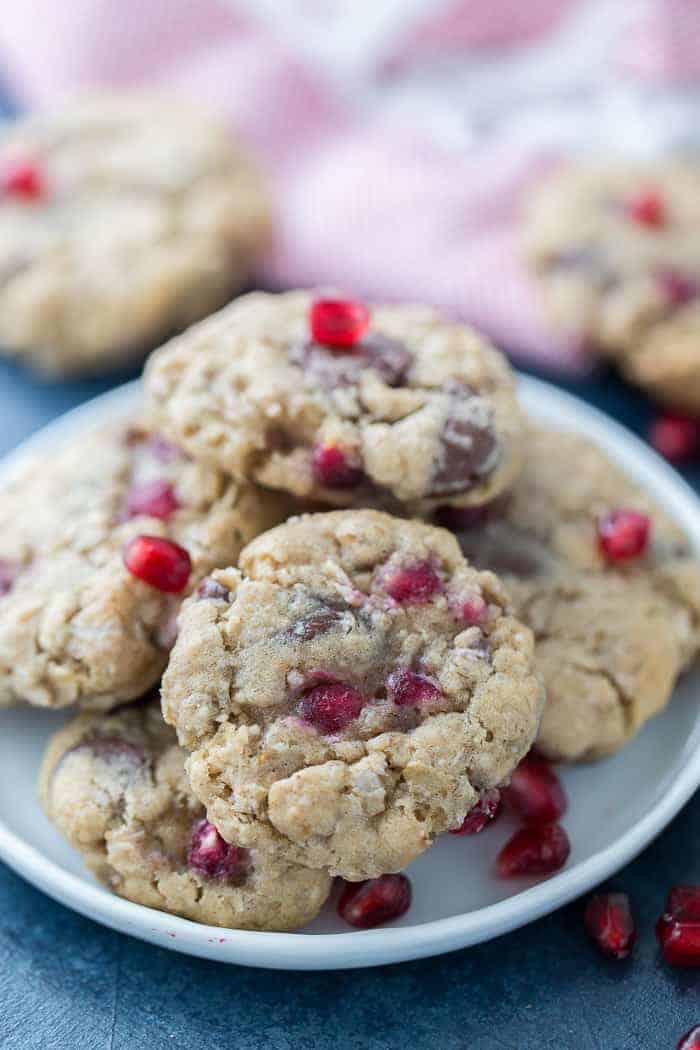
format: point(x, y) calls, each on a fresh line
point(370, 903)
point(472, 610)
point(331, 706)
point(22, 179)
point(214, 858)
point(677, 438)
point(678, 929)
point(482, 813)
point(608, 920)
point(623, 534)
point(339, 323)
point(332, 469)
point(540, 849)
point(156, 498)
point(646, 208)
point(159, 562)
point(676, 288)
point(407, 688)
point(535, 791)
point(412, 584)
point(691, 1039)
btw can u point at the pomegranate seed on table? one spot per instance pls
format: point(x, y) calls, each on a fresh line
point(159, 562)
point(21, 179)
point(609, 922)
point(411, 583)
point(331, 706)
point(677, 438)
point(646, 208)
point(678, 929)
point(332, 469)
point(375, 901)
point(691, 1039)
point(535, 791)
point(338, 323)
point(540, 849)
point(676, 288)
point(407, 688)
point(481, 814)
point(623, 534)
point(155, 498)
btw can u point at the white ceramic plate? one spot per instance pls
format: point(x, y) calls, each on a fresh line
point(616, 806)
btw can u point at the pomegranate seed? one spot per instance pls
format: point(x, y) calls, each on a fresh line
point(646, 208)
point(370, 903)
point(332, 469)
point(156, 498)
point(482, 813)
point(678, 929)
point(212, 857)
point(338, 322)
point(608, 920)
point(472, 610)
point(677, 438)
point(407, 688)
point(623, 534)
point(161, 563)
point(676, 288)
point(162, 450)
point(691, 1039)
point(535, 791)
point(22, 179)
point(413, 584)
point(331, 706)
point(540, 849)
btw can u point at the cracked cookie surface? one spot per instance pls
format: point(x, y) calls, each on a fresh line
point(350, 691)
point(417, 412)
point(617, 252)
point(122, 220)
point(115, 787)
point(75, 625)
point(612, 638)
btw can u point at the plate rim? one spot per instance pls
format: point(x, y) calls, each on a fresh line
point(295, 951)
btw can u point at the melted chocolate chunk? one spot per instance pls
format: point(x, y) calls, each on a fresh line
point(210, 588)
point(331, 368)
point(469, 448)
point(315, 624)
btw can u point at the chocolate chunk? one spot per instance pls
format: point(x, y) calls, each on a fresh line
point(469, 447)
point(315, 624)
point(210, 588)
point(331, 368)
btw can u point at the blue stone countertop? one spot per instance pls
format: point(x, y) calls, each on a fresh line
point(66, 983)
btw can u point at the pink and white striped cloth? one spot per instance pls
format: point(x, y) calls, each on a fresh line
point(399, 136)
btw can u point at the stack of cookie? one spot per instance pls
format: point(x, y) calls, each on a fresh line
point(281, 535)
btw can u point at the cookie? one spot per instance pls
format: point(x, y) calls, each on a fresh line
point(397, 408)
point(350, 692)
point(122, 220)
point(617, 253)
point(77, 625)
point(115, 787)
point(606, 582)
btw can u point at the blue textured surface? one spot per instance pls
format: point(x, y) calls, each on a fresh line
point(65, 982)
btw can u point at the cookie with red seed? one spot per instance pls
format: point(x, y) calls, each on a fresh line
point(331, 400)
point(114, 785)
point(615, 250)
point(605, 580)
point(99, 542)
point(350, 692)
point(122, 220)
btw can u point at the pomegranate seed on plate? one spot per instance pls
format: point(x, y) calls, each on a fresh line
point(609, 922)
point(156, 499)
point(22, 179)
point(332, 469)
point(675, 437)
point(412, 584)
point(678, 929)
point(481, 814)
point(159, 562)
point(375, 901)
point(339, 323)
point(407, 688)
point(646, 208)
point(539, 849)
point(623, 534)
point(691, 1039)
point(535, 791)
point(331, 706)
